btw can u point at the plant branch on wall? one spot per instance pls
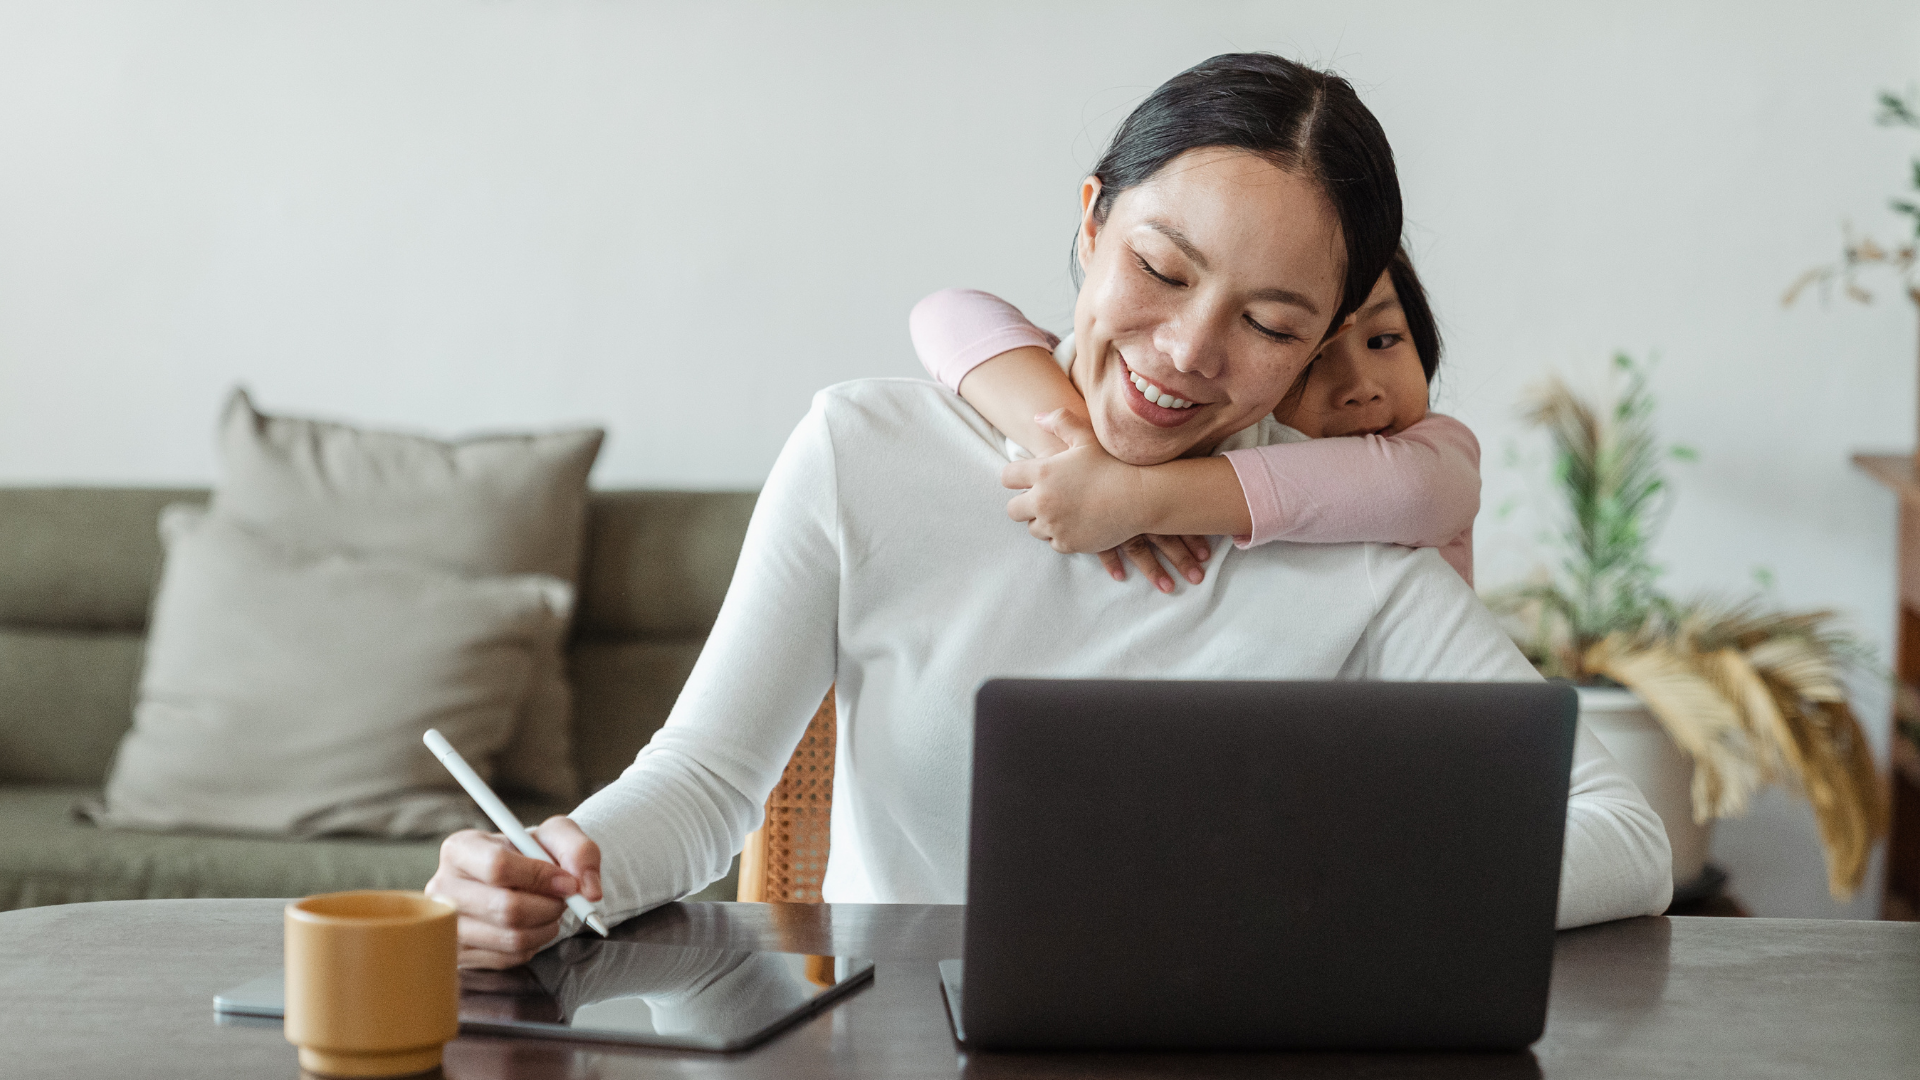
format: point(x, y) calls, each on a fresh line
point(1859, 253)
point(1752, 696)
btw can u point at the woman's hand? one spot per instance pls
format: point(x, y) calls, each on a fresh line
point(510, 905)
point(1084, 499)
point(1183, 553)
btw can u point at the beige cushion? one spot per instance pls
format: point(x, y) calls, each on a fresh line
point(285, 691)
point(503, 504)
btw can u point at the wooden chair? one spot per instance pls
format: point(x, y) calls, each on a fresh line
point(786, 858)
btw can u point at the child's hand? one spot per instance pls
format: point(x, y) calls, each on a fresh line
point(1080, 499)
point(1084, 499)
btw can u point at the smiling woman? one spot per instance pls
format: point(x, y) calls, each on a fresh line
point(1244, 212)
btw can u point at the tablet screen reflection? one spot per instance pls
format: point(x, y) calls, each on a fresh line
point(674, 995)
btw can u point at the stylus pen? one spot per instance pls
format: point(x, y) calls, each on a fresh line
point(504, 818)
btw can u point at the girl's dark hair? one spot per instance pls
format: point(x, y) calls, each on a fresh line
point(1302, 120)
point(1421, 326)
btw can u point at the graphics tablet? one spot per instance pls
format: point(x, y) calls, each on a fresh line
point(628, 992)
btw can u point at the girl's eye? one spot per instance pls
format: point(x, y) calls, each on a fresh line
point(1277, 335)
point(1157, 275)
point(1384, 341)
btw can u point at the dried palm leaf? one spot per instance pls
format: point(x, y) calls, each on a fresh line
point(1759, 710)
point(1695, 713)
point(1783, 672)
point(1830, 762)
point(1803, 664)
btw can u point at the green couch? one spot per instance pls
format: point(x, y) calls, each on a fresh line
point(78, 568)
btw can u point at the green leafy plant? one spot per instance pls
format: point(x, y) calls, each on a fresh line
point(1606, 464)
point(1752, 696)
point(1859, 253)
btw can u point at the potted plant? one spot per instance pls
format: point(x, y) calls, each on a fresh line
point(1703, 701)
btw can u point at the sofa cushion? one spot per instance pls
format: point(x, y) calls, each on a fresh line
point(66, 698)
point(499, 504)
point(81, 558)
point(49, 856)
point(285, 691)
point(623, 691)
point(658, 562)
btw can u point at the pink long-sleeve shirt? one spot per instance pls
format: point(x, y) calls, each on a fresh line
point(1419, 488)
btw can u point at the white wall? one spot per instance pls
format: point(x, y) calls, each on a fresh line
point(681, 220)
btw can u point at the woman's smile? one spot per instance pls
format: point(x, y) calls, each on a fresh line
point(1153, 402)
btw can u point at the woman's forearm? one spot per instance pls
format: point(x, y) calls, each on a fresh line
point(674, 819)
point(1193, 497)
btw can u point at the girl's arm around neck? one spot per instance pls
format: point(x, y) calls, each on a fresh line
point(1085, 499)
point(1194, 497)
point(1013, 388)
point(984, 349)
point(1420, 487)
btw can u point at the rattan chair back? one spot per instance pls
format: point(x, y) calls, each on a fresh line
point(785, 859)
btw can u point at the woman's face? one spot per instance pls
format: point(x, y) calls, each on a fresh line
point(1208, 288)
point(1367, 381)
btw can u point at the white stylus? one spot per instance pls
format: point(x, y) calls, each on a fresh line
point(504, 818)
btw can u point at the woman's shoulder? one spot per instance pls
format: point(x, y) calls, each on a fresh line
point(1268, 432)
point(884, 397)
point(910, 415)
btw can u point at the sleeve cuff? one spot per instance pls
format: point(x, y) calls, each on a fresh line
point(975, 353)
point(1263, 501)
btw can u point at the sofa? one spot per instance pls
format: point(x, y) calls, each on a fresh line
point(78, 568)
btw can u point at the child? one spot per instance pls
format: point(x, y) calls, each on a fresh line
point(1374, 464)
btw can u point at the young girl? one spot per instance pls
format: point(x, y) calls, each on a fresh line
point(1371, 464)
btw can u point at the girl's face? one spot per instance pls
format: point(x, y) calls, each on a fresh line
point(1208, 288)
point(1366, 381)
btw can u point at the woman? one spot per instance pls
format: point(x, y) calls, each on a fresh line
point(1241, 214)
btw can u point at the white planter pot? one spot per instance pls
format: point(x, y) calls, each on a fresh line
point(1658, 767)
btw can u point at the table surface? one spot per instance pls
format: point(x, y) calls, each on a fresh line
point(125, 989)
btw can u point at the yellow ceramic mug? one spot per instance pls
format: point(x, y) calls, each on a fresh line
point(371, 984)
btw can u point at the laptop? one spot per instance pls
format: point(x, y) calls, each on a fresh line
point(1307, 865)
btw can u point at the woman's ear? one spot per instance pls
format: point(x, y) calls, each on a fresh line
point(1089, 226)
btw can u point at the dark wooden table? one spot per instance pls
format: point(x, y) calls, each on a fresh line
point(125, 990)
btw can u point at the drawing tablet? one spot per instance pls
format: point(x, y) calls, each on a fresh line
point(628, 992)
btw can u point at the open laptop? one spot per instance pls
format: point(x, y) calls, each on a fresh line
point(1339, 865)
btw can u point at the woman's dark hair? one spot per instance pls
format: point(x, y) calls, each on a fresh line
point(1421, 326)
point(1302, 120)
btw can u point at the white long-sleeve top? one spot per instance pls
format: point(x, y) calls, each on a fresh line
point(880, 559)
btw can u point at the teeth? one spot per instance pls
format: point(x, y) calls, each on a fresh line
point(1156, 395)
